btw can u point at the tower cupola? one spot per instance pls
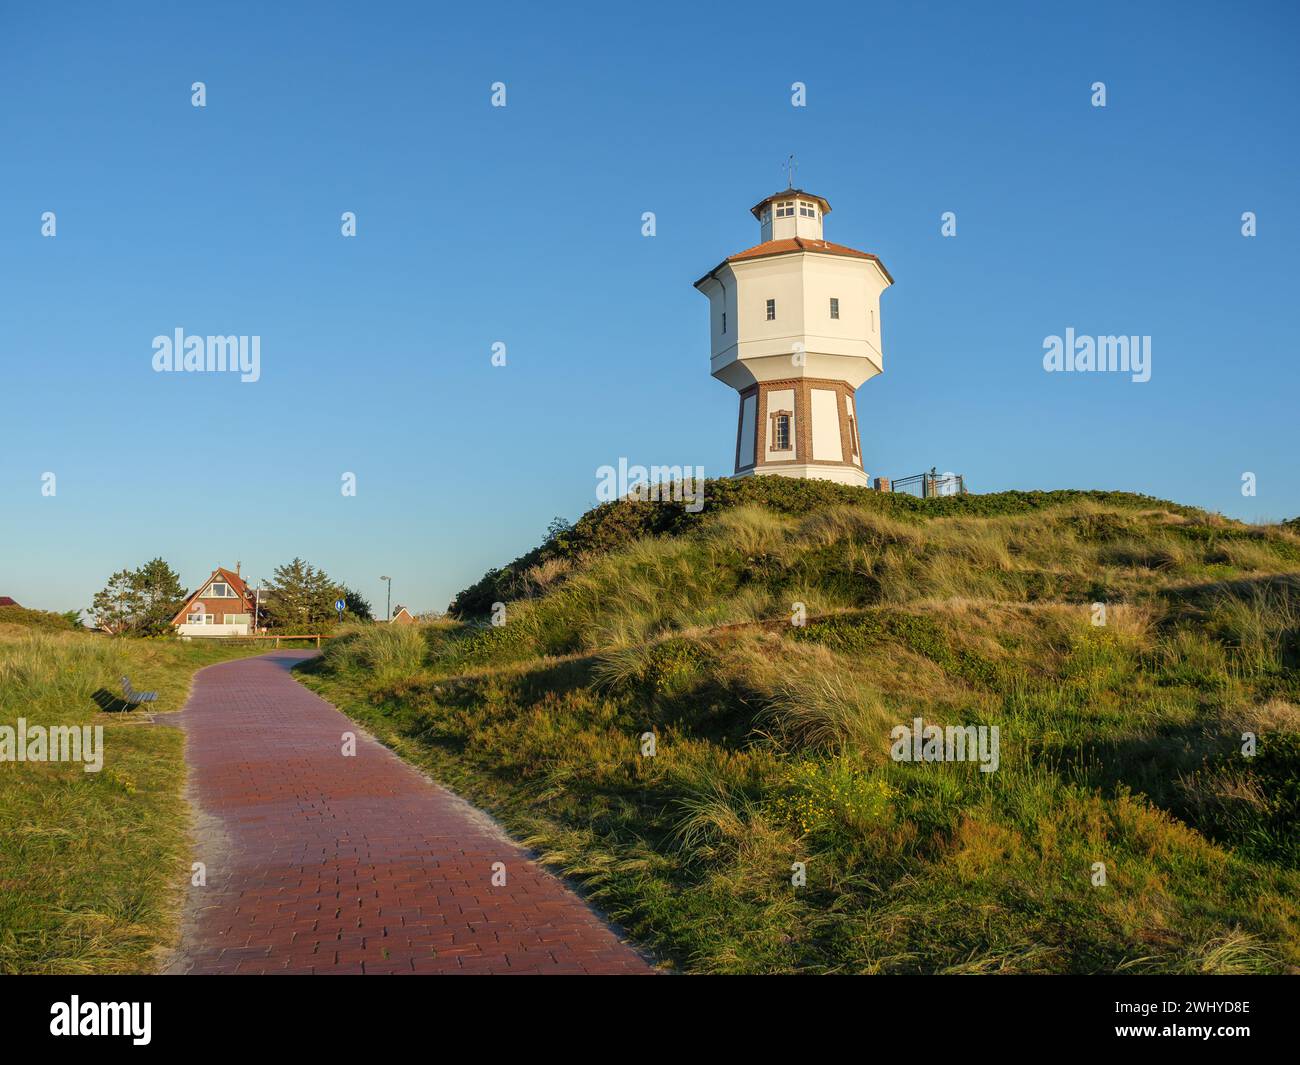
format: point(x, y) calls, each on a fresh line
point(792, 213)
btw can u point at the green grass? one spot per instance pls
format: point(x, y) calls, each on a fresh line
point(93, 865)
point(1120, 744)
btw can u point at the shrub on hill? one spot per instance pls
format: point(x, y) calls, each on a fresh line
point(611, 526)
point(36, 619)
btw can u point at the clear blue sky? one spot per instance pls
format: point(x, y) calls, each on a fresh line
point(522, 225)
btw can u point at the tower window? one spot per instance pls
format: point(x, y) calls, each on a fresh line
point(781, 431)
point(853, 433)
point(835, 307)
point(807, 209)
point(785, 210)
point(724, 321)
point(771, 310)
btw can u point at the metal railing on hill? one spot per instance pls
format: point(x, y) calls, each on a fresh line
point(928, 485)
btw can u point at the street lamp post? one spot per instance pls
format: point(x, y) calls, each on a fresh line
point(390, 597)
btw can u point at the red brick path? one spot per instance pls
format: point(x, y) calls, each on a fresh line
point(317, 863)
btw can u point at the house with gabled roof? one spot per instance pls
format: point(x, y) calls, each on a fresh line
point(222, 606)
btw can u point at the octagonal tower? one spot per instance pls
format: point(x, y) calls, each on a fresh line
point(795, 325)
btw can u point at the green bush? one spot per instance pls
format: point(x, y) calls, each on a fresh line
point(833, 798)
point(1255, 802)
point(36, 619)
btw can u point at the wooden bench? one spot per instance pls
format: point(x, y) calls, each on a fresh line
point(133, 697)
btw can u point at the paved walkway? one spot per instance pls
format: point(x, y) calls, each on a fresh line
point(319, 863)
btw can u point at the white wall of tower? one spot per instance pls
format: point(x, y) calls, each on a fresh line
point(801, 286)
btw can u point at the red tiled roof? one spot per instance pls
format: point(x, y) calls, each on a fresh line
point(6, 601)
point(799, 244)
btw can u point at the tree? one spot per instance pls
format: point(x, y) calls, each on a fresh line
point(301, 597)
point(357, 605)
point(114, 605)
point(139, 602)
point(557, 532)
point(158, 596)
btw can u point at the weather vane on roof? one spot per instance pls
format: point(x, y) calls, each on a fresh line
point(790, 167)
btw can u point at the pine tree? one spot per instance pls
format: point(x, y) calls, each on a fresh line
point(301, 597)
point(115, 604)
point(357, 604)
point(139, 602)
point(158, 594)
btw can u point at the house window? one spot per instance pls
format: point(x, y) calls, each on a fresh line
point(771, 310)
point(807, 209)
point(220, 590)
point(199, 619)
point(835, 307)
point(785, 210)
point(781, 431)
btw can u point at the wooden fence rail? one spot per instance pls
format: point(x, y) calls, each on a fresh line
point(277, 637)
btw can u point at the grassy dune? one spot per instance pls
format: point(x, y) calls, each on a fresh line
point(92, 865)
point(1120, 743)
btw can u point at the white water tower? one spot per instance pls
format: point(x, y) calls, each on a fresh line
point(795, 322)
